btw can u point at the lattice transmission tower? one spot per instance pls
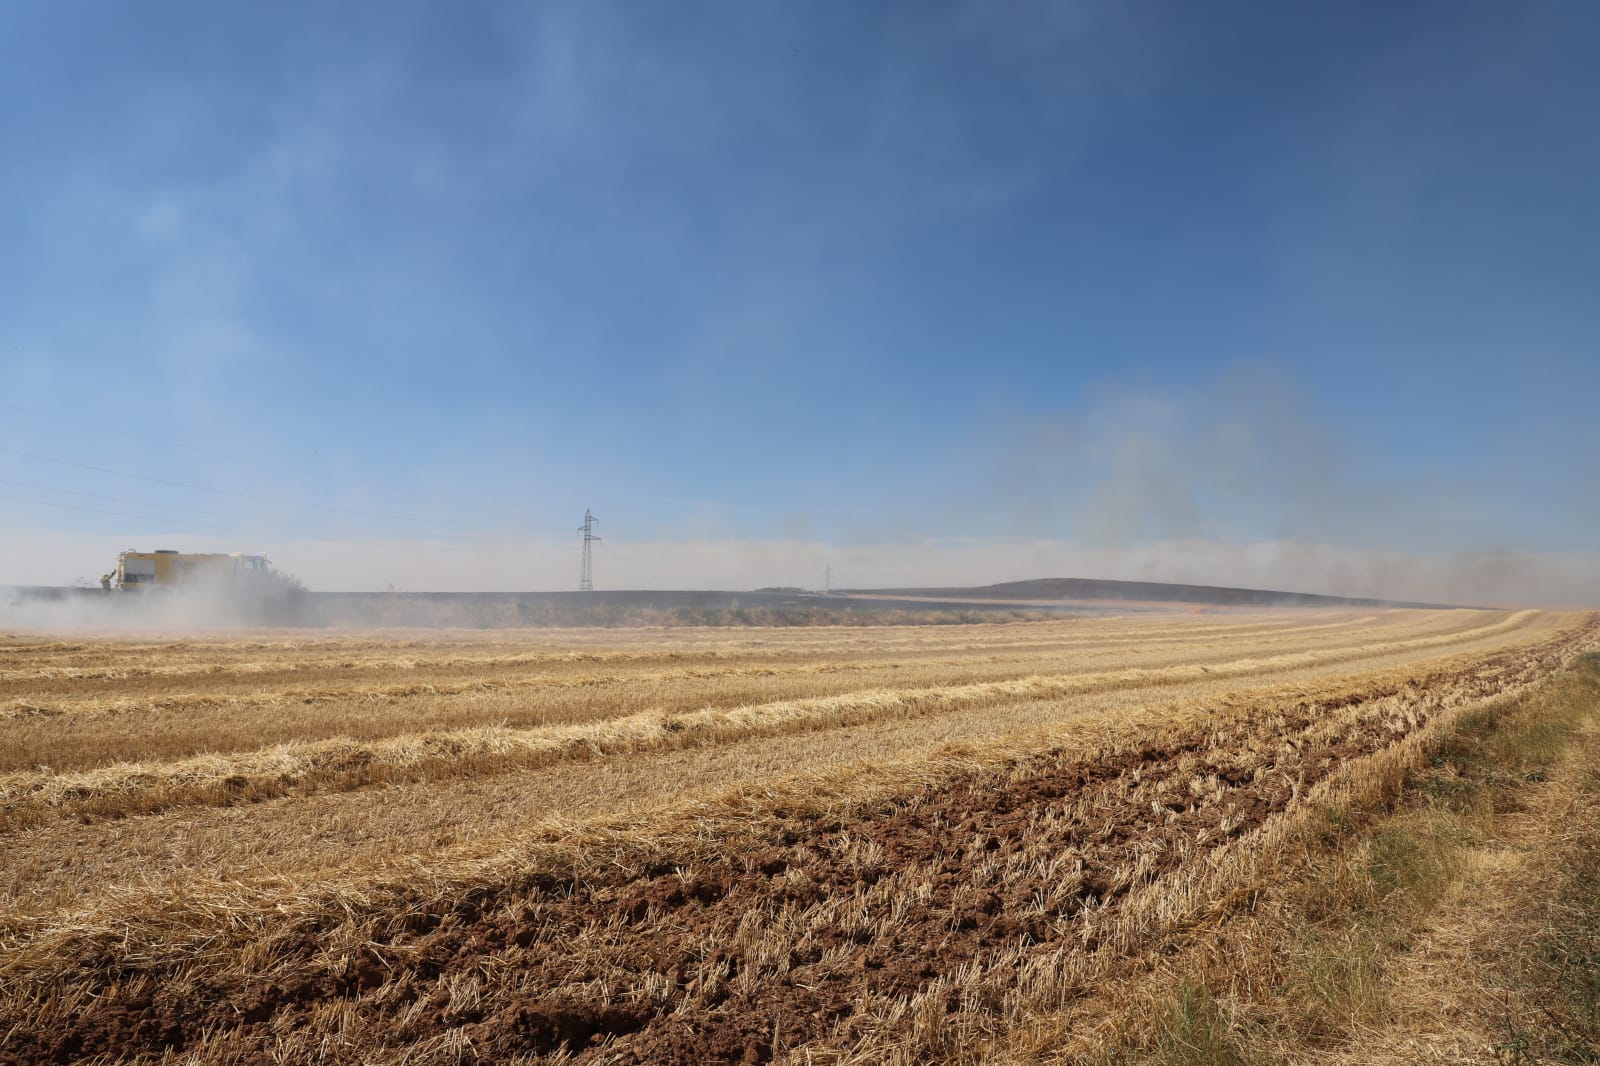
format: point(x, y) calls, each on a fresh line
point(586, 580)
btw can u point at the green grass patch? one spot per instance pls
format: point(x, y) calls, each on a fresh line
point(1386, 870)
point(1563, 975)
point(1337, 974)
point(1412, 862)
point(1369, 902)
point(1194, 1031)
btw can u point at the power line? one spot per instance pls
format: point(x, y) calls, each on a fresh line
point(186, 525)
point(322, 476)
point(709, 503)
point(134, 436)
point(303, 472)
point(209, 452)
point(251, 520)
point(117, 514)
point(236, 493)
point(157, 506)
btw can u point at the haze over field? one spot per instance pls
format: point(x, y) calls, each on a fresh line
point(930, 294)
point(1097, 513)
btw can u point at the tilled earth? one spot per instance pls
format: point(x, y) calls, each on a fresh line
point(796, 931)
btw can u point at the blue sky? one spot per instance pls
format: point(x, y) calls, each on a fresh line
point(766, 285)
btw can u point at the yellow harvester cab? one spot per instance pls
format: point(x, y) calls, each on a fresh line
point(167, 569)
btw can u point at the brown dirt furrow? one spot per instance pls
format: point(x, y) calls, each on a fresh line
point(803, 931)
point(30, 797)
point(81, 709)
point(87, 706)
point(112, 665)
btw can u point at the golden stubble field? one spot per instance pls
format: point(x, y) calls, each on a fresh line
point(814, 845)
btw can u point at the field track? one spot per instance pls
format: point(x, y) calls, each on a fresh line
point(823, 845)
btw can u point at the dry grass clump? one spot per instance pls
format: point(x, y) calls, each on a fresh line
point(1034, 844)
point(141, 788)
point(1427, 925)
point(134, 788)
point(90, 731)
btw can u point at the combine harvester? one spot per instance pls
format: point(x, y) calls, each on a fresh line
point(165, 568)
point(233, 585)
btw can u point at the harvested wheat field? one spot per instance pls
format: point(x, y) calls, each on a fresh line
point(987, 842)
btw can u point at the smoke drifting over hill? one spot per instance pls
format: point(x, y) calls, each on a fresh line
point(1242, 481)
point(1482, 578)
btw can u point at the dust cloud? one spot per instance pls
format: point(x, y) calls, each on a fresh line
point(1244, 479)
point(1238, 481)
point(194, 607)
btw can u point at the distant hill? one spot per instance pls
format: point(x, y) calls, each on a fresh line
point(771, 606)
point(1077, 588)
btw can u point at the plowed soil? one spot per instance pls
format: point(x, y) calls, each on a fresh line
point(778, 935)
point(748, 940)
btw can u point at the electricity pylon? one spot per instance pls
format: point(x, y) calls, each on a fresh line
point(586, 581)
